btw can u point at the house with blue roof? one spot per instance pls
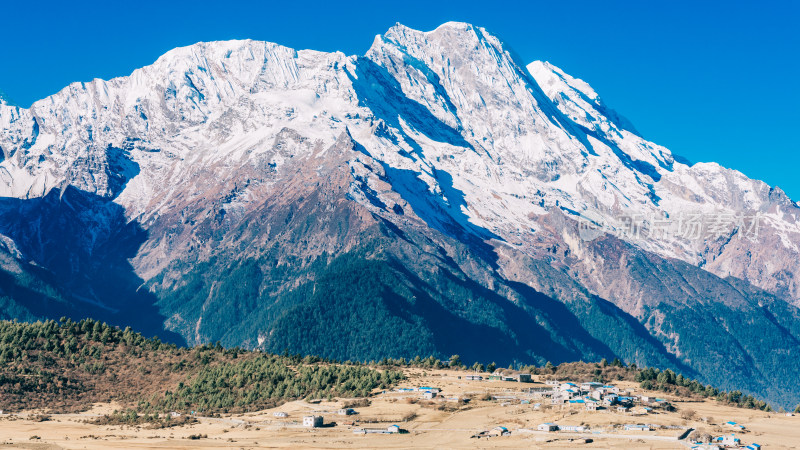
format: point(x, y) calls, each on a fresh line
point(730, 440)
point(428, 388)
point(734, 425)
point(547, 427)
point(499, 431)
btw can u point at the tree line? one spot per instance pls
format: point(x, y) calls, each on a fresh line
point(67, 359)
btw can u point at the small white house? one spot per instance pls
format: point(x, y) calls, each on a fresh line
point(312, 421)
point(727, 441)
point(429, 394)
point(591, 406)
point(547, 427)
point(571, 393)
point(346, 412)
point(590, 386)
point(393, 429)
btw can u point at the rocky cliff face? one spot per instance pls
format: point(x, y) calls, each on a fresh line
point(231, 187)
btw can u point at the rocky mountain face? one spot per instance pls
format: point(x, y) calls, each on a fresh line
point(434, 196)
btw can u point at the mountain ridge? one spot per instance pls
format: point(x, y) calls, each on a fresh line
point(481, 193)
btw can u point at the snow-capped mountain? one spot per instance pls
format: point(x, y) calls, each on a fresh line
point(439, 149)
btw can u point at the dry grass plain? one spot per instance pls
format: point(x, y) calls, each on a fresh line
point(431, 424)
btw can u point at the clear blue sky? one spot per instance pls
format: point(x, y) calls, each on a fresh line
point(712, 81)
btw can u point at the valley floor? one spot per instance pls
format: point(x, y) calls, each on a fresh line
point(433, 423)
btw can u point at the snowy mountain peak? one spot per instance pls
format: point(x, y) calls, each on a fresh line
point(577, 98)
point(546, 69)
point(451, 107)
point(398, 29)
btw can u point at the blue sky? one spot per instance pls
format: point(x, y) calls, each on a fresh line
point(712, 81)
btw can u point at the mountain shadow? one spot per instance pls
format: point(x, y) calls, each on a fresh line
point(80, 244)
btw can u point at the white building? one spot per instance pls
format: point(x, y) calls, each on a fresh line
point(727, 441)
point(590, 386)
point(312, 421)
point(610, 399)
point(547, 427)
point(540, 392)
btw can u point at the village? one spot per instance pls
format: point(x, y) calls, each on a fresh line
point(589, 396)
point(451, 408)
